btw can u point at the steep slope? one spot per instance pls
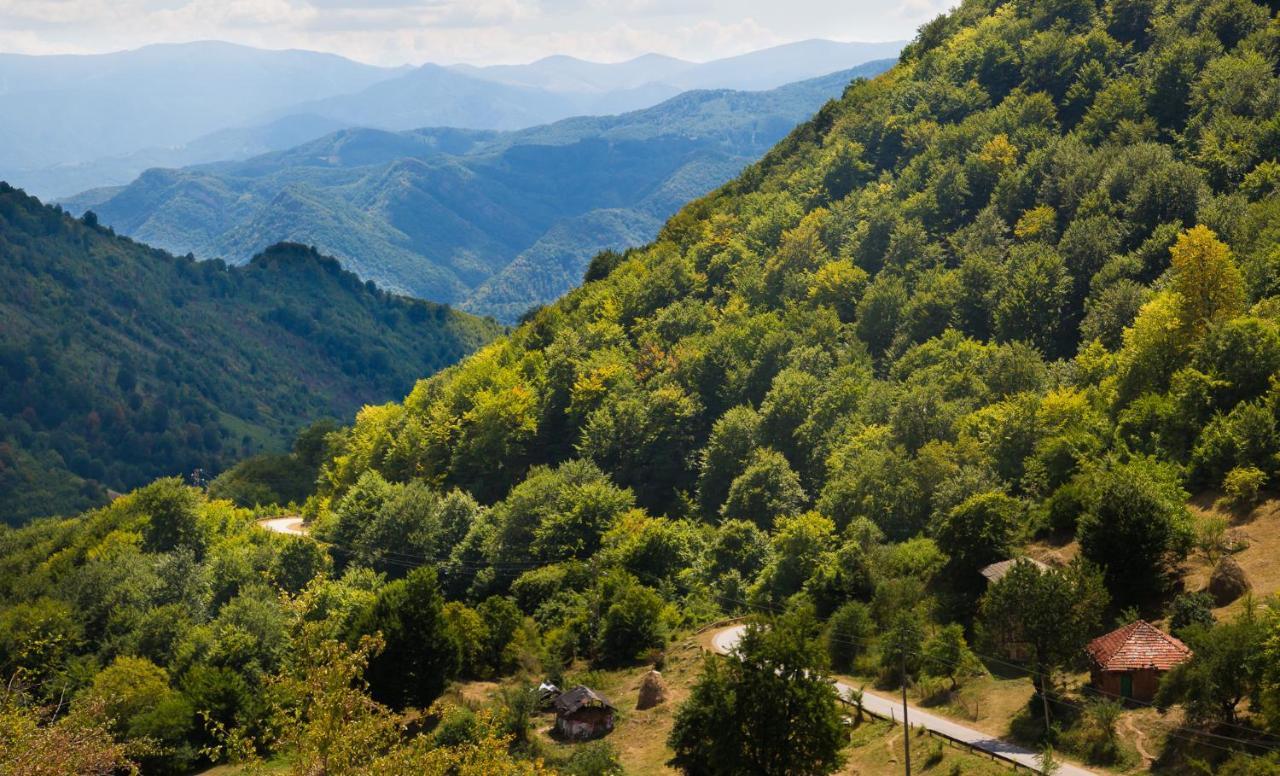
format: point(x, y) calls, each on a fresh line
point(1024, 286)
point(438, 213)
point(1009, 266)
point(121, 363)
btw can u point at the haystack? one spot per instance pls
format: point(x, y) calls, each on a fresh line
point(653, 691)
point(1228, 581)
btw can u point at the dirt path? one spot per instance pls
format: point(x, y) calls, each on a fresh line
point(1139, 741)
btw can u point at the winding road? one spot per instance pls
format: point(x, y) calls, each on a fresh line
point(291, 525)
point(726, 641)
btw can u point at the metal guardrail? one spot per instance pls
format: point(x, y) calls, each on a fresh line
point(718, 624)
point(951, 740)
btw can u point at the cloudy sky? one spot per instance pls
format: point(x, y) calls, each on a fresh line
point(445, 31)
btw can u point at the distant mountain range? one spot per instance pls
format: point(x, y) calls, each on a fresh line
point(69, 123)
point(120, 363)
point(494, 222)
point(757, 70)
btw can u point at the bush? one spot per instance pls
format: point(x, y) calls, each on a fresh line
point(598, 758)
point(1094, 737)
point(933, 754)
point(1190, 609)
point(632, 625)
point(458, 726)
point(1242, 484)
point(847, 632)
point(1211, 537)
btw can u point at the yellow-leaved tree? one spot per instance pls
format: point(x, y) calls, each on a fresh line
point(1207, 280)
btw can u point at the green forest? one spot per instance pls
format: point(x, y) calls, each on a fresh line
point(1023, 287)
point(120, 363)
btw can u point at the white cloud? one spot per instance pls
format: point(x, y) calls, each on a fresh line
point(482, 31)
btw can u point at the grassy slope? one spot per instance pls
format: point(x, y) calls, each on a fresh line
point(640, 736)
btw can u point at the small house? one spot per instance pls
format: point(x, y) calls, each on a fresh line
point(997, 571)
point(583, 714)
point(1127, 663)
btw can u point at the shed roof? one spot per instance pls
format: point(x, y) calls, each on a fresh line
point(996, 571)
point(1135, 646)
point(578, 698)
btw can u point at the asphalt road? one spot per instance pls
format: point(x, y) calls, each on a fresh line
point(725, 641)
point(291, 525)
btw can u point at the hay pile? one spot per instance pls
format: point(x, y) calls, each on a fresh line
point(653, 691)
point(1228, 581)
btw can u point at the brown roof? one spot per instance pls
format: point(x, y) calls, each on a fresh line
point(996, 571)
point(578, 698)
point(1137, 645)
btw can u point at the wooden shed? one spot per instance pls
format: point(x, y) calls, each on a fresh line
point(1127, 663)
point(997, 571)
point(583, 714)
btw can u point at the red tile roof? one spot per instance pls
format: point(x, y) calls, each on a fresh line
point(1135, 646)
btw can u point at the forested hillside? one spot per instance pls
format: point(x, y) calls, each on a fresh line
point(495, 222)
point(120, 363)
point(1022, 287)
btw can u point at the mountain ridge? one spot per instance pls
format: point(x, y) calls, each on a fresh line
point(437, 213)
point(122, 363)
point(259, 101)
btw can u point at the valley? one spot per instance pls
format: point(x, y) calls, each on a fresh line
point(494, 222)
point(962, 392)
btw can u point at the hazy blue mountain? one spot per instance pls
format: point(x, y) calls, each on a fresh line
point(764, 69)
point(432, 95)
point(773, 67)
point(491, 221)
point(236, 143)
point(57, 110)
point(72, 123)
point(570, 74)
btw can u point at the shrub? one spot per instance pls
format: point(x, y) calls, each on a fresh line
point(598, 758)
point(1242, 484)
point(1190, 609)
point(1211, 537)
point(632, 625)
point(847, 631)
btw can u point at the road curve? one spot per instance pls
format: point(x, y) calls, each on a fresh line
point(726, 641)
point(291, 525)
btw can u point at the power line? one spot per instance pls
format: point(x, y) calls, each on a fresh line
point(504, 568)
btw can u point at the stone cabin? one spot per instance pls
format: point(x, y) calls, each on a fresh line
point(1127, 663)
point(583, 714)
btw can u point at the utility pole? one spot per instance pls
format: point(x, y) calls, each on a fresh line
point(906, 725)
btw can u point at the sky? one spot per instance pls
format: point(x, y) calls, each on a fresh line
point(395, 32)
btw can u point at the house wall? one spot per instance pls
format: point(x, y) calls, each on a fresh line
point(1145, 683)
point(584, 724)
